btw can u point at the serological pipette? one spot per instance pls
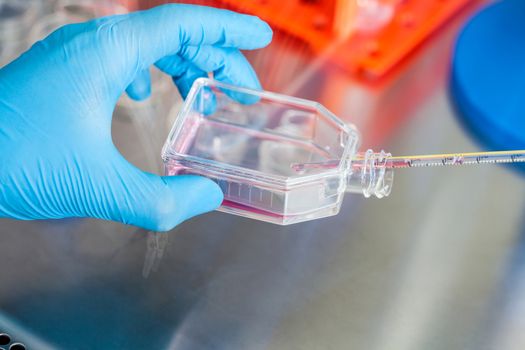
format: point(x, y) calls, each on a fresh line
point(372, 174)
point(400, 162)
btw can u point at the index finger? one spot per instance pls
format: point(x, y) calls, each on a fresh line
point(163, 30)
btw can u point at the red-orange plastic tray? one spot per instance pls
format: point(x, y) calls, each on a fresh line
point(369, 55)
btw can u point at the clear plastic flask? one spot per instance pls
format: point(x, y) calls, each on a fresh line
point(250, 142)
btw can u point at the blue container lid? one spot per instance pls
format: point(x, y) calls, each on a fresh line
point(488, 75)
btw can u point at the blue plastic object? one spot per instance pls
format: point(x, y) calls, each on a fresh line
point(488, 75)
point(57, 158)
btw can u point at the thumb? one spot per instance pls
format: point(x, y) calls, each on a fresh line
point(154, 202)
point(140, 88)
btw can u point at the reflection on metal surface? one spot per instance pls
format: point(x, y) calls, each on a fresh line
point(156, 246)
point(504, 329)
point(420, 311)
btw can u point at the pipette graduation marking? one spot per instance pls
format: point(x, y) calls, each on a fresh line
point(500, 157)
point(457, 159)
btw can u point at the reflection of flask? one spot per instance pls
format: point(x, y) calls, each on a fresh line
point(224, 144)
point(275, 156)
point(16, 19)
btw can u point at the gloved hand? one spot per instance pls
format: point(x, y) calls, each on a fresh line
point(57, 158)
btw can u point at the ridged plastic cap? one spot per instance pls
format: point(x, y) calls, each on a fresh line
point(371, 176)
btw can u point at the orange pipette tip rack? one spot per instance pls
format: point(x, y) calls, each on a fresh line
point(334, 26)
point(368, 54)
point(374, 55)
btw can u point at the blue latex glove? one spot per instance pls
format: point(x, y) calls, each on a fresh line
point(57, 158)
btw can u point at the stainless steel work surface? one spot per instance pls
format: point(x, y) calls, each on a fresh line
point(438, 265)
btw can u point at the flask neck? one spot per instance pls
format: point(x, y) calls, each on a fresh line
point(370, 174)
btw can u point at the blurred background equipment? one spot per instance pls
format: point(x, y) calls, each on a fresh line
point(488, 75)
point(16, 19)
point(366, 37)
